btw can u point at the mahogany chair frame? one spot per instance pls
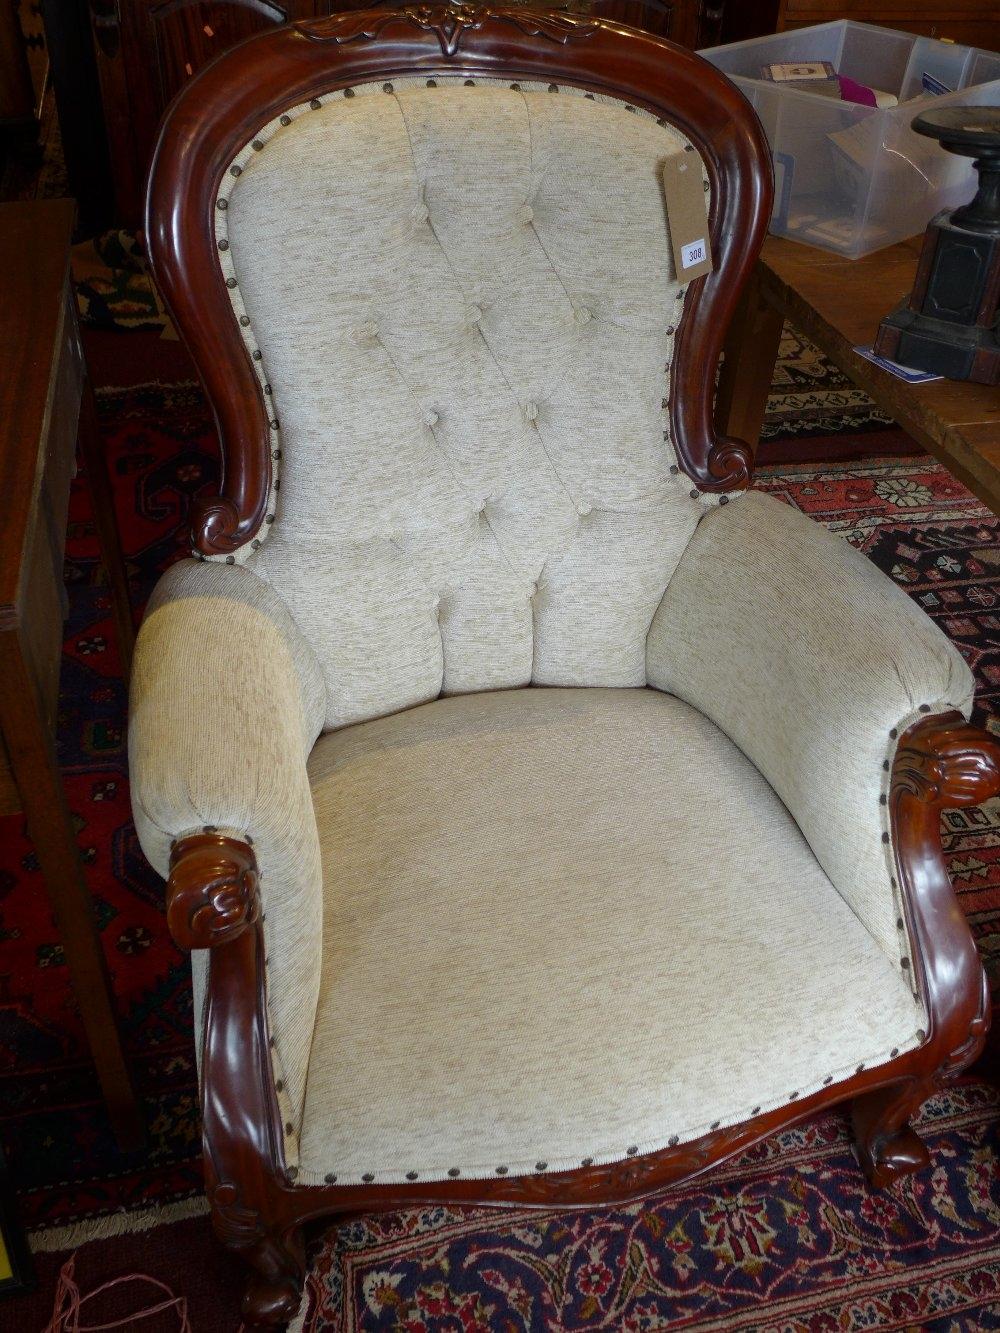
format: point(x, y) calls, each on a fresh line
point(941, 761)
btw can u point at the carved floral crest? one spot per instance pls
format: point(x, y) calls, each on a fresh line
point(450, 23)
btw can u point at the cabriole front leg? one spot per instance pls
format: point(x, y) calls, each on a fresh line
point(213, 903)
point(941, 762)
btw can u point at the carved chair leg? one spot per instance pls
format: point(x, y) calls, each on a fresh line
point(273, 1295)
point(887, 1147)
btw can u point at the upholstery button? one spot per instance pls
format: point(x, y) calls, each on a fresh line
point(420, 213)
point(365, 334)
point(526, 215)
point(475, 314)
point(582, 314)
point(531, 411)
point(584, 508)
point(431, 418)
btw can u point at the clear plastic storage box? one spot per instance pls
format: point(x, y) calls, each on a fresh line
point(854, 178)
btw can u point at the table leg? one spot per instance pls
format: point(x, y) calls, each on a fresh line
point(748, 366)
point(31, 750)
point(95, 462)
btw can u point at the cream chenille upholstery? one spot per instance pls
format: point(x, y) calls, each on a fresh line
point(521, 927)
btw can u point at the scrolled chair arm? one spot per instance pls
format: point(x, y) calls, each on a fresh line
point(821, 669)
point(212, 891)
point(227, 700)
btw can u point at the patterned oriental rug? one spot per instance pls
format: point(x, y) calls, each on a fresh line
point(712, 1252)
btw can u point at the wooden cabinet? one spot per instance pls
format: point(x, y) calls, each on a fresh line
point(148, 49)
point(974, 22)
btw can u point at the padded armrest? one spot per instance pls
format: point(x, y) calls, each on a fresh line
point(813, 662)
point(226, 702)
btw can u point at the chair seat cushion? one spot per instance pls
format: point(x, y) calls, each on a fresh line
point(568, 924)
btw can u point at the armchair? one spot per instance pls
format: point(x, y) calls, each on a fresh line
point(549, 815)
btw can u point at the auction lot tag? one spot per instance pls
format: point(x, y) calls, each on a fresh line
point(687, 215)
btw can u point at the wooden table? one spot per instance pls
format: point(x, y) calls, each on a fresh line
point(837, 304)
point(46, 408)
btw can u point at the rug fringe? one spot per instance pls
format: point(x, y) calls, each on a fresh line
point(48, 1239)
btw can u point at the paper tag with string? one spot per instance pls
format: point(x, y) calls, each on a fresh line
point(687, 215)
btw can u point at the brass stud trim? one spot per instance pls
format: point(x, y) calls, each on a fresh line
point(286, 120)
point(223, 244)
point(454, 1171)
point(368, 1177)
point(673, 1141)
point(501, 1170)
point(315, 104)
point(330, 1178)
point(230, 282)
point(411, 1175)
point(235, 170)
point(256, 145)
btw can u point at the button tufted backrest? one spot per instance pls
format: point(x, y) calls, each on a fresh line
point(461, 301)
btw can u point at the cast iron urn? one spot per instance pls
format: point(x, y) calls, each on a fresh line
point(949, 324)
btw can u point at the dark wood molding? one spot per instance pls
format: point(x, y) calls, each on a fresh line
point(259, 1209)
point(221, 109)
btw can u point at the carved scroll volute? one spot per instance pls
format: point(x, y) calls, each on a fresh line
point(942, 762)
point(947, 761)
point(212, 890)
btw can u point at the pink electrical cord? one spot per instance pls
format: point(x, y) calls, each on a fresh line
point(69, 1302)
